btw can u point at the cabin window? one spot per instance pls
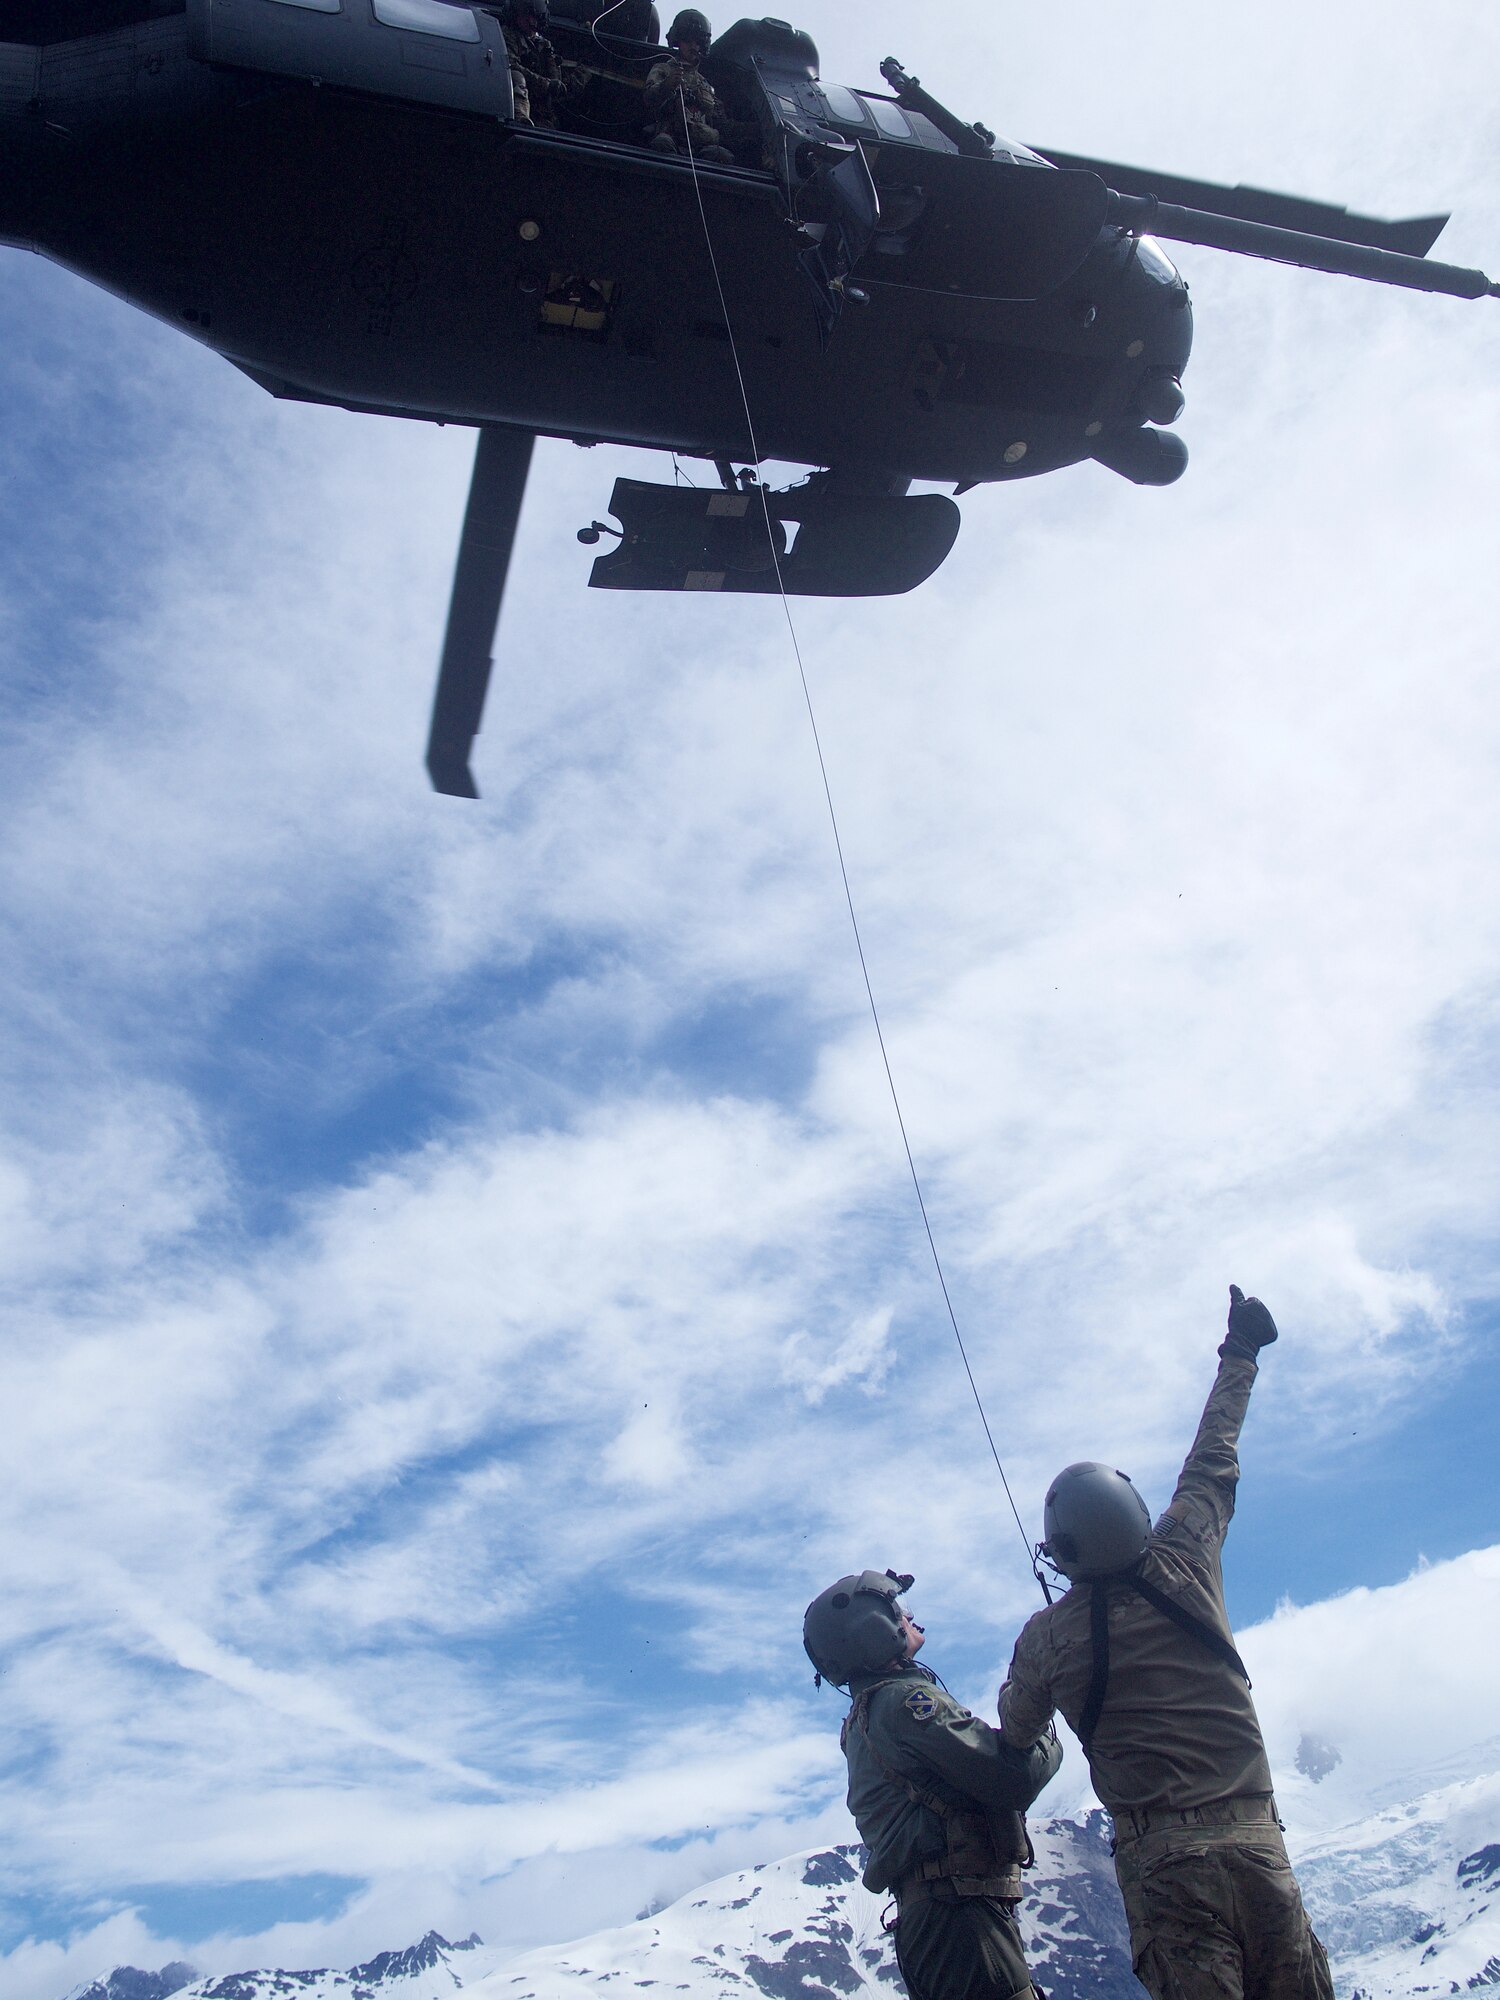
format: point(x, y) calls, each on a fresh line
point(429, 17)
point(845, 105)
point(889, 117)
point(314, 6)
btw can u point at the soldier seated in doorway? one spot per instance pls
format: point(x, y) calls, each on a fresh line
point(684, 107)
point(937, 1795)
point(1139, 1657)
point(538, 79)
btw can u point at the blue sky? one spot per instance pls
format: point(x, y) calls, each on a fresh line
point(464, 1294)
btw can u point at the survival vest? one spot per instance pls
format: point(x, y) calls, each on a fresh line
point(983, 1852)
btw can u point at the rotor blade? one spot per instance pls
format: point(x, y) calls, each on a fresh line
point(1413, 237)
point(502, 459)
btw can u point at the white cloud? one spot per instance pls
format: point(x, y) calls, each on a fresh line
point(450, 1247)
point(1396, 1680)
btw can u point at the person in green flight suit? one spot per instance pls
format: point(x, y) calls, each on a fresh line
point(1138, 1655)
point(937, 1796)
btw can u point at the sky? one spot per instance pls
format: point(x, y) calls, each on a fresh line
point(464, 1289)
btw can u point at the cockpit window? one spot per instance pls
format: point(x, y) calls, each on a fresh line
point(891, 119)
point(428, 17)
point(848, 108)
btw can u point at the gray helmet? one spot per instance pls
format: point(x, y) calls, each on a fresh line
point(690, 26)
point(854, 1627)
point(1096, 1523)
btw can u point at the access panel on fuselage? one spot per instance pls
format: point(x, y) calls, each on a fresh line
point(423, 51)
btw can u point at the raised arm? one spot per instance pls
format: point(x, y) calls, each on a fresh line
point(1204, 1499)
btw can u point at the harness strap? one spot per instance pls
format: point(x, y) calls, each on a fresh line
point(940, 1888)
point(1093, 1707)
point(1186, 1621)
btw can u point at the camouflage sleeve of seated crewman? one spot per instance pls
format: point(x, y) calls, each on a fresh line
point(661, 86)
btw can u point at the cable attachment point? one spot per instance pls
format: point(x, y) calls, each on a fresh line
point(1038, 1557)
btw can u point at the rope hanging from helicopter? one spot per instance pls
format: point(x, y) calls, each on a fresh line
point(838, 843)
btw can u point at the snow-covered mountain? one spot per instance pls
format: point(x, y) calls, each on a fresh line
point(432, 1969)
point(1407, 1900)
point(807, 1929)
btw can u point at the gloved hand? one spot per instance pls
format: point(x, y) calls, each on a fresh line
point(1251, 1327)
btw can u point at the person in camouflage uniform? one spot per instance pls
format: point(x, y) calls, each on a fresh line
point(1138, 1655)
point(937, 1796)
point(537, 78)
point(683, 105)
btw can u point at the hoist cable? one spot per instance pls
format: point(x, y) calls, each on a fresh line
point(839, 850)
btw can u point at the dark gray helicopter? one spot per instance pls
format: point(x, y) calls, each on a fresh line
point(336, 196)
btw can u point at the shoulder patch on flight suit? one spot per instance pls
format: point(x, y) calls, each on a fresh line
point(923, 1704)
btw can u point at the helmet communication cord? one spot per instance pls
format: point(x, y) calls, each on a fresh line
point(594, 25)
point(843, 869)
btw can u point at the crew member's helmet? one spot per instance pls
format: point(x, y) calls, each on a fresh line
point(1096, 1523)
point(854, 1627)
point(516, 9)
point(690, 26)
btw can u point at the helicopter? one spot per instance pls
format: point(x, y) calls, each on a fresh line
point(338, 197)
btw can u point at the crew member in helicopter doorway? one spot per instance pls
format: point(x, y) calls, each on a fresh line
point(1139, 1657)
point(937, 1796)
point(684, 106)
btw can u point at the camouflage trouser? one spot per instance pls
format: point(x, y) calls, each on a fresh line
point(960, 1948)
point(1214, 1909)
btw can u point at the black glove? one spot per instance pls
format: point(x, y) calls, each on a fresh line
point(1251, 1327)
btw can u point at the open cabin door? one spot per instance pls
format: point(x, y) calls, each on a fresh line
point(884, 197)
point(426, 51)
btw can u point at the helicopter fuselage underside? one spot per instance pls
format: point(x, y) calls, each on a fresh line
point(410, 259)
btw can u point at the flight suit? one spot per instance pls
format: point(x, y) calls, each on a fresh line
point(678, 96)
point(938, 1797)
point(1176, 1754)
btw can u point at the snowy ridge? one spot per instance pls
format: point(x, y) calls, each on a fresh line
point(432, 1969)
point(807, 1929)
point(1407, 1899)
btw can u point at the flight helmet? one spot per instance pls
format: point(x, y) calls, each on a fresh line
point(854, 1627)
point(1095, 1521)
point(690, 26)
point(514, 9)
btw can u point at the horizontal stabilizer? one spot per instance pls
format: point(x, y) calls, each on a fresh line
point(1413, 237)
point(825, 544)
